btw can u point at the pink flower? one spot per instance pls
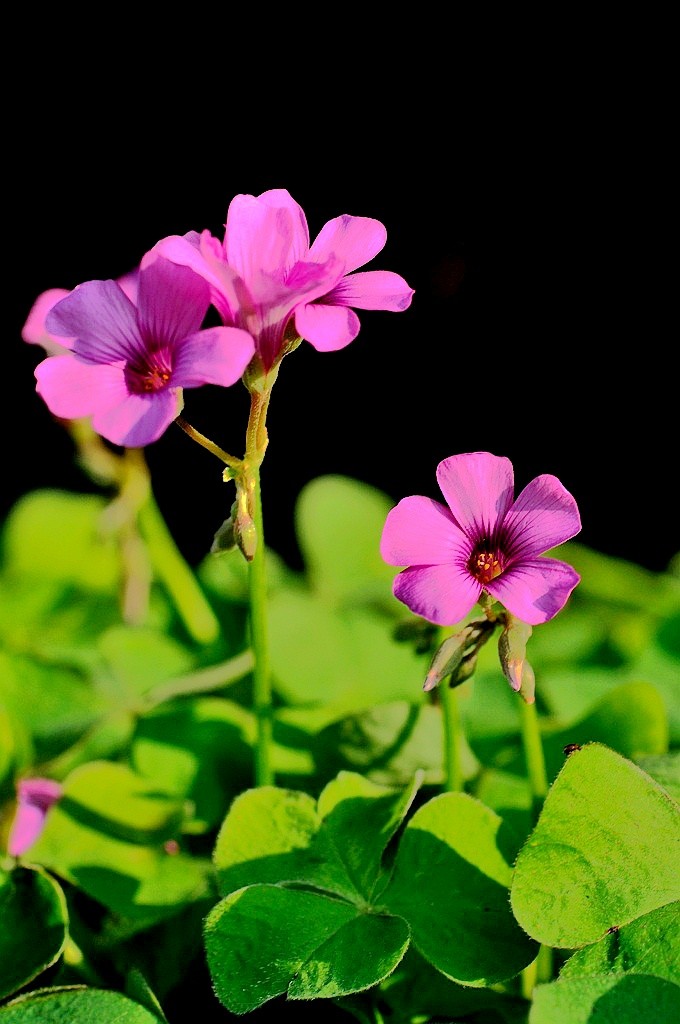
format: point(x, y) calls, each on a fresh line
point(34, 330)
point(264, 275)
point(130, 359)
point(34, 799)
point(484, 542)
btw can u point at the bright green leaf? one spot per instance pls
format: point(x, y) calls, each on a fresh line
point(665, 770)
point(75, 1005)
point(451, 879)
point(140, 657)
point(604, 852)
point(612, 999)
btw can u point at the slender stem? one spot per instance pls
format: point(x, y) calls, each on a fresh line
point(257, 585)
point(195, 435)
point(535, 760)
point(453, 739)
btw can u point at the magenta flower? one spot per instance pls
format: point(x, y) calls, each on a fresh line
point(34, 799)
point(129, 360)
point(34, 330)
point(265, 276)
point(483, 543)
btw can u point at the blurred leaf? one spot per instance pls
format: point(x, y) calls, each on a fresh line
point(389, 744)
point(7, 745)
point(346, 661)
point(612, 999)
point(451, 878)
point(140, 658)
point(630, 719)
point(619, 582)
point(53, 534)
point(108, 836)
point(198, 750)
point(339, 522)
point(77, 1006)
point(34, 926)
point(650, 945)
point(604, 851)
point(509, 795)
point(52, 705)
point(139, 990)
point(665, 770)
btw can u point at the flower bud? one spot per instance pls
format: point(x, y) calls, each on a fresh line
point(34, 799)
point(512, 644)
point(457, 655)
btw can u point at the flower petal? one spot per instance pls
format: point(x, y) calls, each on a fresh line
point(352, 240)
point(100, 316)
point(544, 515)
point(72, 389)
point(218, 355)
point(280, 198)
point(172, 301)
point(327, 328)
point(421, 531)
point(442, 594)
point(26, 828)
point(139, 419)
point(535, 590)
point(34, 330)
point(478, 488)
point(260, 237)
point(372, 289)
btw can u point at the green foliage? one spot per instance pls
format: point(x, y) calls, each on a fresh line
point(166, 884)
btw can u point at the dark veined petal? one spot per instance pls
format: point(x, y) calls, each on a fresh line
point(139, 419)
point(536, 589)
point(352, 240)
point(327, 328)
point(372, 289)
point(217, 355)
point(73, 389)
point(443, 594)
point(478, 488)
point(172, 301)
point(544, 515)
point(421, 531)
point(101, 318)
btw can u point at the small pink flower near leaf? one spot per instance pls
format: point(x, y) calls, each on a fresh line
point(266, 278)
point(483, 541)
point(129, 359)
point(34, 799)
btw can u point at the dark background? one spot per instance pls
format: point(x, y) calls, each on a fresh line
point(543, 327)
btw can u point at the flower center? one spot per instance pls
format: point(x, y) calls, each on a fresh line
point(153, 375)
point(485, 565)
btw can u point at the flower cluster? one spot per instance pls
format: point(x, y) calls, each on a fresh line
point(122, 352)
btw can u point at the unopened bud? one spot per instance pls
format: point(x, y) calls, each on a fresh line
point(457, 655)
point(224, 539)
point(512, 651)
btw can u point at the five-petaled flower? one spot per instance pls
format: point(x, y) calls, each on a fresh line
point(484, 542)
point(128, 361)
point(266, 278)
point(34, 799)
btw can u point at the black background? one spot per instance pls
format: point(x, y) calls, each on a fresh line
point(535, 229)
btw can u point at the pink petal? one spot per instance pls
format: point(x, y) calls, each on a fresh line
point(535, 590)
point(441, 594)
point(372, 289)
point(99, 315)
point(327, 328)
point(218, 355)
point(130, 283)
point(43, 792)
point(260, 237)
point(279, 197)
point(34, 330)
point(28, 823)
point(478, 488)
point(352, 240)
point(140, 419)
point(544, 515)
point(172, 302)
point(72, 389)
point(420, 531)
